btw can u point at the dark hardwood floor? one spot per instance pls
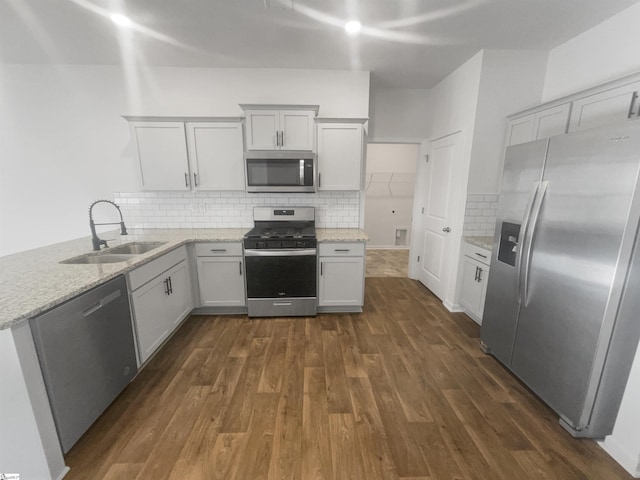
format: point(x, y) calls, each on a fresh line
point(399, 391)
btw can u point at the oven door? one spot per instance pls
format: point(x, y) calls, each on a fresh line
point(281, 273)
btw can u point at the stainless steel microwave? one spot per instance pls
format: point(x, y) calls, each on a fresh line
point(281, 171)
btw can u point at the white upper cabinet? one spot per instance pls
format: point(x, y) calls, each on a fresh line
point(340, 152)
point(546, 123)
point(162, 155)
point(604, 108)
point(180, 155)
point(602, 105)
point(296, 130)
point(280, 128)
point(216, 155)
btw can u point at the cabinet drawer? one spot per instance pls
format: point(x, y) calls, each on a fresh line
point(219, 249)
point(333, 249)
point(477, 253)
point(149, 271)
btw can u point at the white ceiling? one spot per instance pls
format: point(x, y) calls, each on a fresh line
point(404, 43)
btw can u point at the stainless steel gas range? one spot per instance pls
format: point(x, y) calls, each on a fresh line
point(281, 261)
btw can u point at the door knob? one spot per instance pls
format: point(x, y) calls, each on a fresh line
point(446, 229)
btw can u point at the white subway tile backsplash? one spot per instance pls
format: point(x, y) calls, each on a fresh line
point(480, 214)
point(230, 209)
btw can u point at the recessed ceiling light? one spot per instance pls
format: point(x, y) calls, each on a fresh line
point(121, 20)
point(353, 26)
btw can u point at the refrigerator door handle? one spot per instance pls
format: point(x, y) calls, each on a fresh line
point(521, 238)
point(535, 213)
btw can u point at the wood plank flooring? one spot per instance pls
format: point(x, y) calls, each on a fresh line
point(401, 391)
point(387, 263)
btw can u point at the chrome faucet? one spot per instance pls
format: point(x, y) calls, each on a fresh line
point(94, 236)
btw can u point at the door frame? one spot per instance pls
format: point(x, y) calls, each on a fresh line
point(461, 173)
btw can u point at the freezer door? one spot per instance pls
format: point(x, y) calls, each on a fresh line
point(577, 257)
point(521, 176)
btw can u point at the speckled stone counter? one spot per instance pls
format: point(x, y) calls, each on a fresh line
point(341, 235)
point(34, 281)
point(483, 242)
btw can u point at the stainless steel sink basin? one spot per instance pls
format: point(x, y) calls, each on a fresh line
point(121, 253)
point(133, 248)
point(99, 258)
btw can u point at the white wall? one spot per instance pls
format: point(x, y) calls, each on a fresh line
point(452, 109)
point(511, 80)
point(29, 443)
point(398, 114)
point(390, 182)
point(606, 52)
point(64, 144)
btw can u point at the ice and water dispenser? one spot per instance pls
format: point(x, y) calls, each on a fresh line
point(508, 247)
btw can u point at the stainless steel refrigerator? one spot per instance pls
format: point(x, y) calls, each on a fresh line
point(563, 299)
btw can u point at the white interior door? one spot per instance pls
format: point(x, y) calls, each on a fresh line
point(435, 265)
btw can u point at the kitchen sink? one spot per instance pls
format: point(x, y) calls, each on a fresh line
point(104, 258)
point(121, 253)
point(133, 248)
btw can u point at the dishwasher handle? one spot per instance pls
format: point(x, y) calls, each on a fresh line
point(103, 301)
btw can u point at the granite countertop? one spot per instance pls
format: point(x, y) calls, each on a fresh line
point(341, 235)
point(483, 242)
point(34, 281)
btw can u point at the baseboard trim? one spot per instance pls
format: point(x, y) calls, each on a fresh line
point(626, 460)
point(453, 307)
point(63, 473)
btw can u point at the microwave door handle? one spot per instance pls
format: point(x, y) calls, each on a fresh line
point(302, 173)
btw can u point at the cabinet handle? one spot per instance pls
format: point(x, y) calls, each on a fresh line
point(475, 278)
point(282, 138)
point(240, 268)
point(166, 286)
point(321, 264)
point(195, 179)
point(634, 97)
point(186, 179)
point(481, 255)
point(277, 138)
point(219, 250)
point(341, 250)
point(479, 274)
point(170, 286)
point(319, 179)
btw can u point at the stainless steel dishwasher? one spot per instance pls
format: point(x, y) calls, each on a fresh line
point(87, 356)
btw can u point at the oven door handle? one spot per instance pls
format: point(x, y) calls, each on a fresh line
point(293, 252)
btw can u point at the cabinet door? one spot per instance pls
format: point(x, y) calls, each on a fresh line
point(179, 302)
point(162, 155)
point(341, 281)
point(262, 128)
point(550, 122)
point(153, 322)
point(296, 127)
point(216, 154)
point(474, 287)
point(339, 156)
point(521, 130)
point(605, 108)
point(547, 123)
point(221, 281)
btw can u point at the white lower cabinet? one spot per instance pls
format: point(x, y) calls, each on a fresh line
point(341, 276)
point(221, 274)
point(161, 298)
point(475, 273)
